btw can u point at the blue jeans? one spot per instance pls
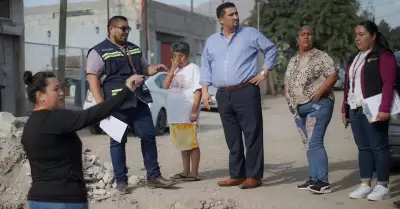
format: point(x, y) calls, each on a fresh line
point(140, 121)
point(51, 205)
point(373, 149)
point(314, 118)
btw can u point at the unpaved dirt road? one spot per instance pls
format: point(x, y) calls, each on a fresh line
point(285, 166)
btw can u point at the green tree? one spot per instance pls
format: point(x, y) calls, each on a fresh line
point(394, 38)
point(384, 28)
point(277, 23)
point(332, 22)
point(276, 20)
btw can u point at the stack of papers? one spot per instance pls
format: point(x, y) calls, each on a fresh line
point(371, 106)
point(113, 127)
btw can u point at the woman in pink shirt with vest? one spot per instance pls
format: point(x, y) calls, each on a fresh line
point(370, 72)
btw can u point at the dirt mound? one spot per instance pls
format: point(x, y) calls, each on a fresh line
point(15, 175)
point(14, 183)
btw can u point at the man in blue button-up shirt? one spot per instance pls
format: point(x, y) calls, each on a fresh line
point(230, 63)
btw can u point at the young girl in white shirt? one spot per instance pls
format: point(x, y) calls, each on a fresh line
point(183, 109)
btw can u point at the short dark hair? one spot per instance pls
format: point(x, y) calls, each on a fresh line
point(373, 29)
point(182, 47)
point(221, 8)
point(37, 82)
point(114, 19)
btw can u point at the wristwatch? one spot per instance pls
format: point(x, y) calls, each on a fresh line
point(263, 73)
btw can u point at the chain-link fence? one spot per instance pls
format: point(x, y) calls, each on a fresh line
point(44, 57)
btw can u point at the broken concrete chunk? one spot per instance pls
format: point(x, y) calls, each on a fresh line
point(134, 180)
point(101, 184)
point(6, 122)
point(108, 178)
point(100, 192)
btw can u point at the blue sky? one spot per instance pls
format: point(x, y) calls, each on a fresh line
point(384, 9)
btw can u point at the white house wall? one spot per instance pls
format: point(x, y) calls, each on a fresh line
point(193, 27)
point(81, 30)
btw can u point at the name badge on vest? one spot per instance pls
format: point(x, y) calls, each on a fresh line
point(351, 99)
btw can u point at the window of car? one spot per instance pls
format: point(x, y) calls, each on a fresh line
point(395, 122)
point(160, 80)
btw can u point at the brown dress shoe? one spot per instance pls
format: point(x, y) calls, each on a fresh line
point(230, 182)
point(250, 184)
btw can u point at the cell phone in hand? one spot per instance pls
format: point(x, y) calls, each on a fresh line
point(346, 124)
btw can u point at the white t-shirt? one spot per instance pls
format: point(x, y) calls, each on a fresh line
point(181, 93)
point(356, 67)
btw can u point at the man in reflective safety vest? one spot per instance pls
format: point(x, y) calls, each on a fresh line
point(109, 64)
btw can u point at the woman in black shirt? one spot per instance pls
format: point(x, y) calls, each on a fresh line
point(52, 146)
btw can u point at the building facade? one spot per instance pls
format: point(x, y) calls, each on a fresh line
point(12, 57)
point(87, 26)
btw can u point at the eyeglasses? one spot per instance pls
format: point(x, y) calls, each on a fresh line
point(125, 28)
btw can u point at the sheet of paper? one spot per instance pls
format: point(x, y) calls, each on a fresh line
point(90, 101)
point(371, 106)
point(114, 127)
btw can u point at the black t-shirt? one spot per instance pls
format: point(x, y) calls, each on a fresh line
point(54, 150)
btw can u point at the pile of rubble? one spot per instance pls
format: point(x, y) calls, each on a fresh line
point(212, 203)
point(15, 175)
point(13, 181)
point(100, 178)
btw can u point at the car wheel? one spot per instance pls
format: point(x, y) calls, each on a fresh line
point(95, 129)
point(161, 123)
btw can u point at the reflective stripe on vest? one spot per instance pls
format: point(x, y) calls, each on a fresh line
point(109, 55)
point(115, 91)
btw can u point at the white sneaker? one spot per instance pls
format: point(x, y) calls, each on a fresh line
point(379, 193)
point(361, 192)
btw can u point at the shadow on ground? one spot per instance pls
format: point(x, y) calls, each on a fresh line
point(285, 173)
point(205, 127)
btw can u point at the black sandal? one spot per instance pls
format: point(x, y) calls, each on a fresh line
point(191, 178)
point(179, 176)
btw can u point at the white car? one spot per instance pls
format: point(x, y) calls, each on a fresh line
point(212, 91)
point(157, 108)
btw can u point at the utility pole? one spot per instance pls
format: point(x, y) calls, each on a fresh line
point(62, 40)
point(258, 14)
point(108, 10)
point(191, 5)
point(146, 31)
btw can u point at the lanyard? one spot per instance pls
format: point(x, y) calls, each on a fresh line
point(355, 69)
point(129, 60)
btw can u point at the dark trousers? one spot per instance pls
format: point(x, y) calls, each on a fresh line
point(140, 121)
point(373, 149)
point(240, 112)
